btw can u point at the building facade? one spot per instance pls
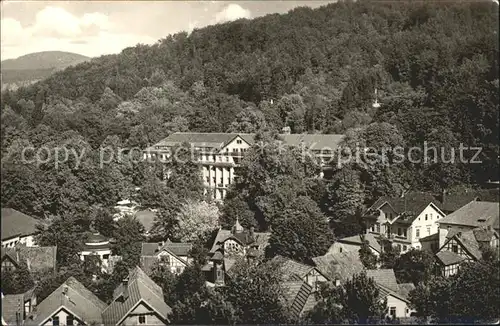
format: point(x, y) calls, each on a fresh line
point(220, 154)
point(405, 220)
point(18, 228)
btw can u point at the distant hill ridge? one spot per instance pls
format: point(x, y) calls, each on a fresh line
point(33, 67)
point(43, 60)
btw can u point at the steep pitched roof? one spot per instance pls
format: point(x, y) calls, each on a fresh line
point(469, 242)
point(339, 266)
point(150, 251)
point(139, 288)
point(358, 240)
point(452, 202)
point(11, 304)
point(297, 297)
point(412, 202)
point(37, 258)
point(290, 267)
point(384, 277)
point(15, 223)
point(475, 213)
point(261, 239)
point(78, 300)
point(449, 258)
point(387, 291)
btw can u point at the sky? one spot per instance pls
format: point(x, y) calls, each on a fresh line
point(95, 28)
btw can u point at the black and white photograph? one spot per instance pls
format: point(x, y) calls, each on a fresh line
point(250, 162)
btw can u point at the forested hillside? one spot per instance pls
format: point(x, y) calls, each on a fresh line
point(435, 66)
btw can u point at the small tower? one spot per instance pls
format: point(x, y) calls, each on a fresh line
point(376, 104)
point(237, 228)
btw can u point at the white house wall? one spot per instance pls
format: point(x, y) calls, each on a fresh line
point(427, 226)
point(132, 318)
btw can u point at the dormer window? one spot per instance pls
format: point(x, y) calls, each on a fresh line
point(238, 141)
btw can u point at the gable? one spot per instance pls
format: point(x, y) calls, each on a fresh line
point(173, 258)
point(235, 142)
point(455, 241)
point(7, 258)
point(62, 312)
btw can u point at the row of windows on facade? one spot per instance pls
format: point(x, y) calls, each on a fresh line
point(401, 232)
point(141, 320)
point(426, 217)
point(221, 180)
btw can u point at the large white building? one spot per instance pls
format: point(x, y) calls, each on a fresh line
point(221, 153)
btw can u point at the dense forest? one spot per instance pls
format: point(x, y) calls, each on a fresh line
point(434, 64)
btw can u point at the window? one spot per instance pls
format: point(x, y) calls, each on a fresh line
point(417, 234)
point(399, 231)
point(392, 312)
point(454, 248)
point(213, 178)
point(405, 234)
point(378, 227)
point(208, 180)
point(431, 216)
point(178, 270)
point(142, 319)
point(55, 321)
point(106, 256)
point(238, 141)
point(426, 217)
point(405, 247)
point(390, 216)
point(235, 150)
point(373, 228)
point(428, 230)
point(69, 320)
point(340, 249)
point(221, 180)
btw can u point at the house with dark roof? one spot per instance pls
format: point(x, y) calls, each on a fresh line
point(355, 242)
point(218, 154)
point(472, 215)
point(293, 270)
point(137, 301)
point(17, 228)
point(403, 221)
point(36, 259)
point(396, 294)
point(453, 201)
point(71, 303)
point(464, 247)
point(229, 247)
point(175, 255)
point(339, 267)
point(17, 307)
point(298, 298)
